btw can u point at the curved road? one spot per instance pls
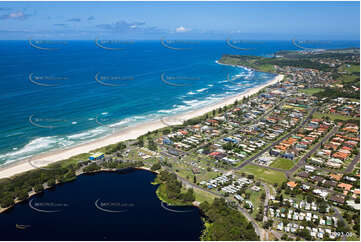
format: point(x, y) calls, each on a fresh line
point(259, 231)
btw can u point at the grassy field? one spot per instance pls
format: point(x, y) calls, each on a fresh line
point(311, 91)
point(348, 78)
point(256, 201)
point(264, 174)
point(349, 70)
point(332, 116)
point(354, 100)
point(202, 196)
point(351, 73)
point(266, 68)
point(282, 163)
point(292, 107)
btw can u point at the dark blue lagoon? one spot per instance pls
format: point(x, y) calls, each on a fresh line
point(103, 206)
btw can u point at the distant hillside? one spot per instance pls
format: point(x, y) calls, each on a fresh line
point(267, 64)
point(299, 59)
point(331, 53)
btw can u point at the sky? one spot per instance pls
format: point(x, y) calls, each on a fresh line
point(180, 20)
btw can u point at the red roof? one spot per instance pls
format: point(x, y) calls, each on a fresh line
point(214, 153)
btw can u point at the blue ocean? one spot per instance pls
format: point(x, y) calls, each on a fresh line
point(57, 94)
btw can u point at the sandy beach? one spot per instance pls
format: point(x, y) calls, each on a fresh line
point(133, 132)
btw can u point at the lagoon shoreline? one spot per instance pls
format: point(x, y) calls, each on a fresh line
point(102, 170)
point(128, 133)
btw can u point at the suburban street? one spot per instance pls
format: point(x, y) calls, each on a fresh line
point(269, 147)
point(302, 161)
point(352, 164)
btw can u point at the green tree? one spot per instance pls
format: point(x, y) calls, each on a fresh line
point(22, 195)
point(6, 201)
point(51, 182)
point(38, 188)
point(156, 166)
point(226, 223)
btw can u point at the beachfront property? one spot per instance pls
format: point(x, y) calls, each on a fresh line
point(252, 132)
point(96, 156)
point(278, 154)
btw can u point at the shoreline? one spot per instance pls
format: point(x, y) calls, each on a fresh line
point(32, 193)
point(143, 168)
point(128, 133)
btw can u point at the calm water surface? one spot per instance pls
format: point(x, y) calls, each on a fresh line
point(128, 209)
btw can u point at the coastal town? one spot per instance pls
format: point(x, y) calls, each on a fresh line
point(286, 158)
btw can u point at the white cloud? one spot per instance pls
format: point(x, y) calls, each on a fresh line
point(19, 15)
point(181, 29)
point(123, 26)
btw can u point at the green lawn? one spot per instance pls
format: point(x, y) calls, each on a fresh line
point(354, 100)
point(266, 68)
point(351, 69)
point(256, 201)
point(202, 196)
point(282, 163)
point(264, 174)
point(351, 73)
point(311, 91)
point(348, 78)
point(292, 107)
point(332, 116)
